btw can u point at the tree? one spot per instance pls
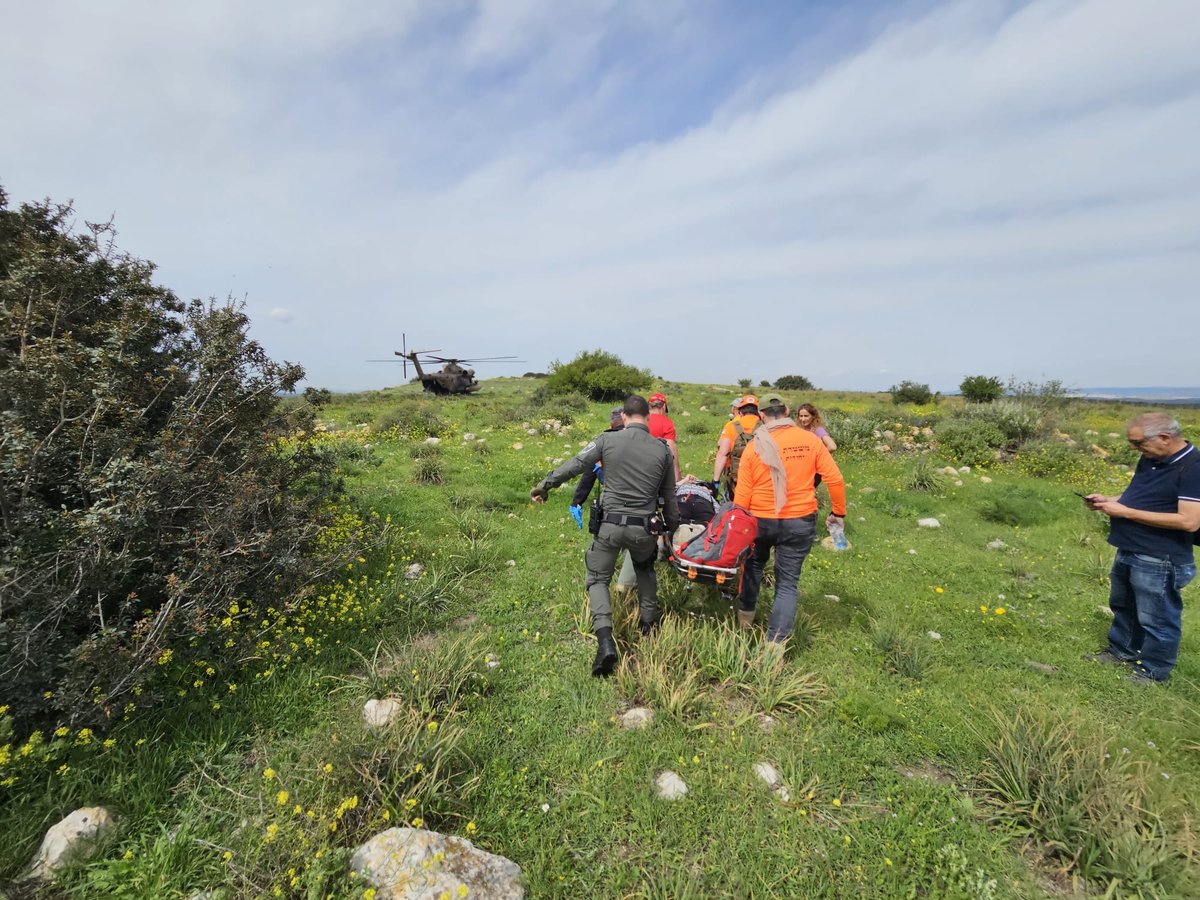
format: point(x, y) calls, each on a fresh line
point(146, 477)
point(981, 388)
point(794, 383)
point(911, 392)
point(601, 376)
point(744, 382)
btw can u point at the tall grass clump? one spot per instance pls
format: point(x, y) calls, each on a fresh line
point(1092, 809)
point(429, 470)
point(922, 476)
point(903, 655)
point(1018, 506)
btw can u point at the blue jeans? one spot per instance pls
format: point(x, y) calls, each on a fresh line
point(1147, 611)
point(792, 539)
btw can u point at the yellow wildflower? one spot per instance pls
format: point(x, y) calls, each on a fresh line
point(1000, 610)
point(282, 798)
point(268, 773)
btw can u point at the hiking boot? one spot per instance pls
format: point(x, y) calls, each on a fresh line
point(1107, 657)
point(648, 628)
point(1142, 677)
point(745, 619)
point(606, 653)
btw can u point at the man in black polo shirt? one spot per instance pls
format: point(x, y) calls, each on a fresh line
point(1153, 525)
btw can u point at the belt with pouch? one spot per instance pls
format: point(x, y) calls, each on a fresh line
point(618, 519)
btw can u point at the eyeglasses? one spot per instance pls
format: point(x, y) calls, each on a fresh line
point(1139, 441)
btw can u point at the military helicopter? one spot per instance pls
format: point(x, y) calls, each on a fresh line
point(452, 378)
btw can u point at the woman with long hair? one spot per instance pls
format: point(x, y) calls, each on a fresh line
point(809, 419)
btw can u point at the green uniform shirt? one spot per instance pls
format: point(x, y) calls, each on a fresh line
point(639, 472)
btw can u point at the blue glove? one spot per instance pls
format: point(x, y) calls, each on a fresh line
point(599, 470)
point(577, 514)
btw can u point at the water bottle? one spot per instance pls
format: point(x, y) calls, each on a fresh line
point(838, 533)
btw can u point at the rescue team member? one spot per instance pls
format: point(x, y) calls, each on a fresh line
point(638, 475)
point(662, 427)
point(732, 442)
point(775, 484)
point(627, 580)
point(1153, 525)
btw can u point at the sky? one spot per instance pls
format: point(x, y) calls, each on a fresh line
point(861, 193)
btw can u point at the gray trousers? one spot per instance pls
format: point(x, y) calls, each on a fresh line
point(601, 560)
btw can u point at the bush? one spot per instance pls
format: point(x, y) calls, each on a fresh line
point(1018, 506)
point(599, 375)
point(981, 388)
point(854, 432)
point(910, 392)
point(1016, 420)
point(968, 442)
point(922, 476)
point(743, 382)
point(147, 476)
point(794, 383)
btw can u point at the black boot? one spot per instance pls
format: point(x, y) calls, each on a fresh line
point(606, 653)
point(648, 628)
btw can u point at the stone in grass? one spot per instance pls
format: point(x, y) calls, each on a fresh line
point(1105, 611)
point(411, 863)
point(670, 786)
point(637, 718)
point(75, 838)
point(413, 572)
point(769, 774)
point(433, 441)
point(996, 545)
point(766, 724)
point(983, 479)
point(379, 714)
point(1044, 668)
point(928, 523)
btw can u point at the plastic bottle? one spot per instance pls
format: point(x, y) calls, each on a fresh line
point(838, 533)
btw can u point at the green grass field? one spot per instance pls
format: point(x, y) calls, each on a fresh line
point(933, 722)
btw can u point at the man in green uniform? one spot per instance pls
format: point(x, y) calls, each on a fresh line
point(639, 473)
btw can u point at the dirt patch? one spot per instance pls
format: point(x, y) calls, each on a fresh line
point(465, 621)
point(926, 770)
point(427, 641)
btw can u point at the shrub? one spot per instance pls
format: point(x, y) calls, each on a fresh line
point(910, 392)
point(147, 476)
point(968, 442)
point(854, 432)
point(794, 383)
point(981, 388)
point(922, 476)
point(744, 382)
point(1017, 421)
point(764, 383)
point(599, 375)
point(429, 470)
point(1017, 506)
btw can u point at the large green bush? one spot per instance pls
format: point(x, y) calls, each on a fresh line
point(911, 392)
point(968, 442)
point(599, 375)
point(146, 483)
point(981, 388)
point(794, 383)
point(1017, 421)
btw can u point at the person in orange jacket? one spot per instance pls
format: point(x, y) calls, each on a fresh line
point(775, 483)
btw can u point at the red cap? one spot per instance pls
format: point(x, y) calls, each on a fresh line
point(656, 398)
point(748, 400)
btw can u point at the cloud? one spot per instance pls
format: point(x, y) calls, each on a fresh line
point(279, 314)
point(930, 190)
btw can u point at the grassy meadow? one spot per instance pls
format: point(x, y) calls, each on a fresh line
point(933, 724)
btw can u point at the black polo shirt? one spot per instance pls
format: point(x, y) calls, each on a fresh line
point(1158, 486)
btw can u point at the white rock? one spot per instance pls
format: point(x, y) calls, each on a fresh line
point(511, 562)
point(889, 435)
point(492, 660)
point(996, 544)
point(928, 523)
point(983, 479)
point(704, 409)
point(685, 413)
point(964, 469)
point(766, 724)
point(670, 786)
point(531, 431)
point(912, 552)
point(637, 718)
point(433, 441)
point(866, 490)
point(934, 635)
point(958, 482)
point(1106, 610)
point(413, 572)
point(834, 597)
point(468, 437)
point(770, 775)
point(411, 863)
point(518, 445)
point(75, 837)
point(379, 714)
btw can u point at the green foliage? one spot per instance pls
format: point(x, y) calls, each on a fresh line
point(1017, 420)
point(415, 417)
point(1090, 807)
point(146, 475)
point(981, 388)
point(599, 375)
point(969, 442)
point(1018, 506)
point(903, 654)
point(923, 476)
point(911, 392)
point(744, 382)
point(794, 383)
point(764, 383)
point(854, 431)
point(318, 397)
